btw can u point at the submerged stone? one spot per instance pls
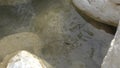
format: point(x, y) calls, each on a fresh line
point(19, 41)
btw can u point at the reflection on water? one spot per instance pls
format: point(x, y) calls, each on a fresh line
point(68, 41)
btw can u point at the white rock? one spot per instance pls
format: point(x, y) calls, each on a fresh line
point(105, 11)
point(24, 59)
point(112, 59)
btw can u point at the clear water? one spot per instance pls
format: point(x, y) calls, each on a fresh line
point(68, 41)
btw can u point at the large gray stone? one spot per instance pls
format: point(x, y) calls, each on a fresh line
point(105, 11)
point(112, 59)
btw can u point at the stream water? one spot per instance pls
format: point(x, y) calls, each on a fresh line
point(66, 39)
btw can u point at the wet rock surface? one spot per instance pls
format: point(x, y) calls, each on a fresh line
point(68, 41)
point(105, 11)
point(111, 60)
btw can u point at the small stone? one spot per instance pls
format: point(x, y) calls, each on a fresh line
point(24, 59)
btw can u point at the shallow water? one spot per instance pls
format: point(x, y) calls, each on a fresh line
point(66, 39)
